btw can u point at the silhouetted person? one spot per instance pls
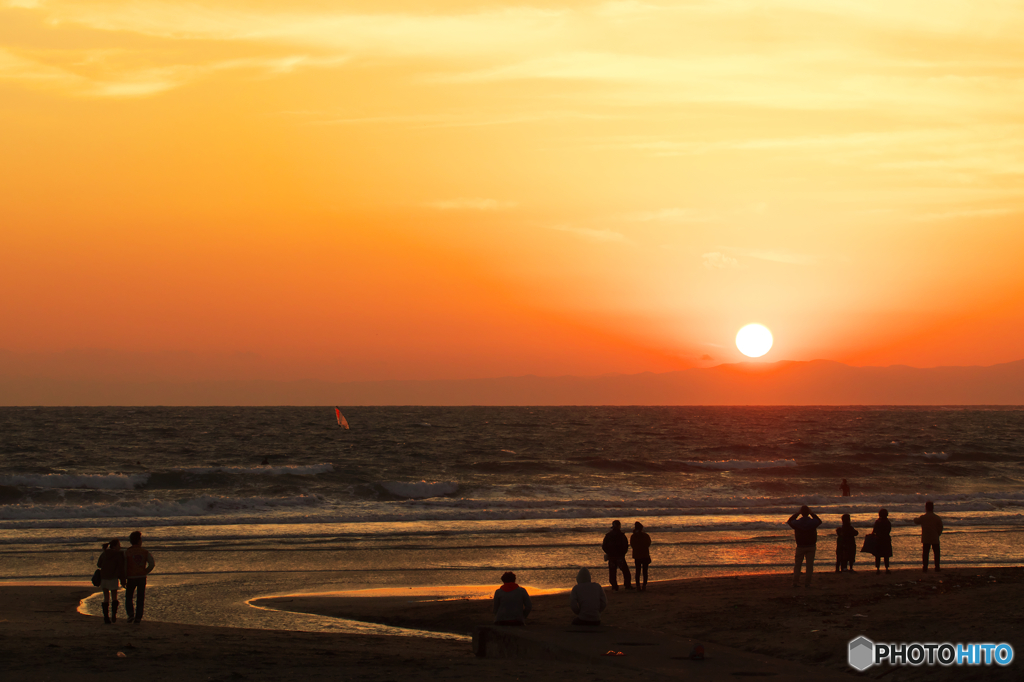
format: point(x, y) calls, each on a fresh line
point(138, 564)
point(845, 488)
point(112, 573)
point(587, 600)
point(931, 529)
point(846, 545)
point(511, 602)
point(641, 544)
point(883, 539)
point(806, 531)
point(615, 546)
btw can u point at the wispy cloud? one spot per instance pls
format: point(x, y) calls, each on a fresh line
point(588, 233)
point(779, 256)
point(105, 76)
point(673, 215)
point(471, 204)
point(631, 52)
point(719, 261)
point(966, 213)
point(336, 30)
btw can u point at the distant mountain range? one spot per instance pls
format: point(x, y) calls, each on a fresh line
point(818, 382)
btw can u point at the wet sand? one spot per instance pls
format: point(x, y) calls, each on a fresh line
point(43, 637)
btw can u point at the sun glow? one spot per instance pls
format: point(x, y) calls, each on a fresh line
point(754, 340)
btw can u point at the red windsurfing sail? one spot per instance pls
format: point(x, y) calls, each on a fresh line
point(342, 422)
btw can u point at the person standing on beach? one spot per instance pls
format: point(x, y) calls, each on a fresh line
point(883, 540)
point(806, 531)
point(112, 573)
point(138, 564)
point(844, 488)
point(587, 600)
point(511, 602)
point(641, 544)
point(615, 546)
point(846, 545)
point(931, 529)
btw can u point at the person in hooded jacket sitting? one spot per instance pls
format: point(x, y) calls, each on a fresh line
point(511, 602)
point(587, 600)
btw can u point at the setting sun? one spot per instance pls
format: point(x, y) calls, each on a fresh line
point(754, 340)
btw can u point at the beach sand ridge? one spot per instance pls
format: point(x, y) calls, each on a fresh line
point(44, 638)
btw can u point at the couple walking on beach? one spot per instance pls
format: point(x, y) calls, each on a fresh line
point(616, 545)
point(879, 542)
point(127, 568)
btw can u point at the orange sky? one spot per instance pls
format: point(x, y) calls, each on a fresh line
point(374, 190)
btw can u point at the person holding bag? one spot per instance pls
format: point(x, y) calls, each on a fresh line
point(881, 545)
point(112, 574)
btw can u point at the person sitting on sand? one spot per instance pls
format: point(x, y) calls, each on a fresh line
point(615, 546)
point(138, 564)
point(806, 530)
point(931, 529)
point(846, 545)
point(883, 540)
point(112, 573)
point(641, 544)
point(587, 600)
point(844, 488)
point(511, 602)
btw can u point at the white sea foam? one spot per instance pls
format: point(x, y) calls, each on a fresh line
point(729, 464)
point(92, 481)
point(424, 501)
point(726, 504)
point(205, 505)
point(420, 490)
point(293, 470)
point(201, 512)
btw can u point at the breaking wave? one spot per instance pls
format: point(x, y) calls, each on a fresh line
point(730, 464)
point(205, 505)
point(295, 470)
point(420, 490)
point(91, 481)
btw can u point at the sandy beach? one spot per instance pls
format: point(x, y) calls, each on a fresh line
point(45, 638)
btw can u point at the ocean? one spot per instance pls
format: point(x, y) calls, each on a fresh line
point(418, 498)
